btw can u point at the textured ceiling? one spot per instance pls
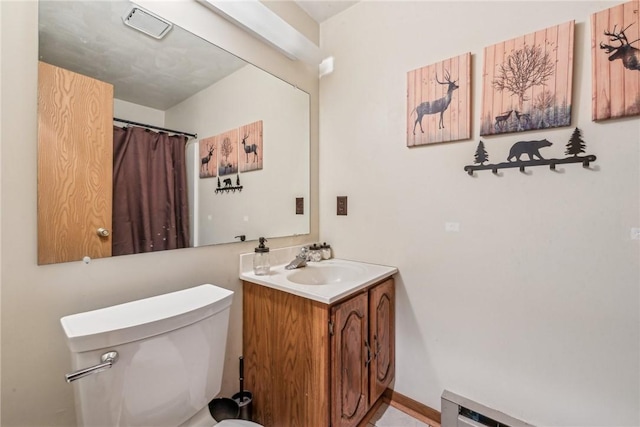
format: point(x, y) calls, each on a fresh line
point(89, 37)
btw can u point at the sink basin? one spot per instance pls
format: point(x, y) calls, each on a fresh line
point(325, 274)
point(326, 281)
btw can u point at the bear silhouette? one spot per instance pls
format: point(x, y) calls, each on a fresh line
point(532, 148)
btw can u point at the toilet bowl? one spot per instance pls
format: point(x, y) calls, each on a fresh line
point(236, 423)
point(204, 419)
point(151, 362)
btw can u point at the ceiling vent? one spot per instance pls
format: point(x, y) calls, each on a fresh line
point(148, 23)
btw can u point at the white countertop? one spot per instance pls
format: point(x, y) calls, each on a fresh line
point(278, 278)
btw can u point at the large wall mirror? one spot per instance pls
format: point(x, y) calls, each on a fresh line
point(247, 170)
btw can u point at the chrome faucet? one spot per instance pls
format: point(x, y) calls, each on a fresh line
point(300, 259)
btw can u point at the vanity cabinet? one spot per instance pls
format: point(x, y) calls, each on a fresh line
point(308, 363)
point(75, 162)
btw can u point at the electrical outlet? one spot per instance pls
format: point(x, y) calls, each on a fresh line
point(635, 233)
point(342, 205)
point(299, 205)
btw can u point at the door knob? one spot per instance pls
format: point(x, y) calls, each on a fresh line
point(103, 232)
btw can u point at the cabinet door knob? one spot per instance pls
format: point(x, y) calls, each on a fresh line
point(103, 232)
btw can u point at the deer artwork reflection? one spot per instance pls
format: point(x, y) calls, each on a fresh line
point(439, 105)
point(206, 159)
point(249, 148)
point(629, 55)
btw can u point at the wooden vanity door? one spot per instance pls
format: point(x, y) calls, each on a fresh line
point(349, 366)
point(75, 164)
point(382, 337)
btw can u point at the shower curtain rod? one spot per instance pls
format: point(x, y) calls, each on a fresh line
point(192, 135)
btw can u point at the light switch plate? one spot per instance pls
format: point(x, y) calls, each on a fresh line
point(299, 205)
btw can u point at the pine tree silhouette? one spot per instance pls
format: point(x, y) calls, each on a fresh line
point(576, 144)
point(481, 154)
point(218, 182)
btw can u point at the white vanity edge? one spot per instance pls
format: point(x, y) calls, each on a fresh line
point(327, 294)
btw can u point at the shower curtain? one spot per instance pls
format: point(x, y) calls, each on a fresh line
point(150, 206)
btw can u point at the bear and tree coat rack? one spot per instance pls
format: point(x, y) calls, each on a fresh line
point(575, 147)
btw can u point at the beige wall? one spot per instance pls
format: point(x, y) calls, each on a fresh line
point(34, 354)
point(257, 210)
point(532, 307)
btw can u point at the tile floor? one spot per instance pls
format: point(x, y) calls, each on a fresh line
point(388, 416)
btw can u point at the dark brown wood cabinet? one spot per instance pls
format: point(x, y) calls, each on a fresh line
point(351, 357)
point(312, 364)
point(382, 332)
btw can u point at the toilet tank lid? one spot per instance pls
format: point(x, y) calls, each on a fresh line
point(143, 318)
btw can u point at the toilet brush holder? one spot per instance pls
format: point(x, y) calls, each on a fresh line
point(244, 399)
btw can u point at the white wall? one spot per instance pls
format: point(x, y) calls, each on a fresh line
point(533, 307)
point(33, 350)
point(266, 204)
point(137, 113)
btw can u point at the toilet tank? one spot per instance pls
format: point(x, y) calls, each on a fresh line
point(171, 354)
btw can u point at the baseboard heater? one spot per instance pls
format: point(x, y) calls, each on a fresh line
point(458, 411)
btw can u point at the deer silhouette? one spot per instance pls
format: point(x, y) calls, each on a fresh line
point(253, 148)
point(440, 105)
point(525, 117)
point(520, 115)
point(629, 55)
point(501, 120)
point(206, 159)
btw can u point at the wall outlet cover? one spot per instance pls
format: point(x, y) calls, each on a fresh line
point(342, 205)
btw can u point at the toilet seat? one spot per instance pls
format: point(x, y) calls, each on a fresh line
point(237, 423)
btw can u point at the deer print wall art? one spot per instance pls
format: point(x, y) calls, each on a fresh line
point(438, 102)
point(527, 82)
point(251, 145)
point(227, 148)
point(207, 151)
point(615, 61)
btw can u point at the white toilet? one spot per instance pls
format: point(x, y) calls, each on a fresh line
point(152, 362)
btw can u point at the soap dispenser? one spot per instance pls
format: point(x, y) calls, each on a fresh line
point(261, 264)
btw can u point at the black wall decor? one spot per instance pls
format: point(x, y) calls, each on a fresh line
point(531, 149)
point(228, 185)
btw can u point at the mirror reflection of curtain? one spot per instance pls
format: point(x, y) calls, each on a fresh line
point(150, 206)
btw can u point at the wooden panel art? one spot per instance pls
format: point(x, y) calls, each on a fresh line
point(615, 36)
point(527, 82)
point(439, 102)
point(208, 157)
point(227, 147)
point(252, 147)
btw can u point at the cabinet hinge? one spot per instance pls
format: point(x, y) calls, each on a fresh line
point(331, 328)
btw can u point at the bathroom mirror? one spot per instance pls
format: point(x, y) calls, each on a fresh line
point(182, 82)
